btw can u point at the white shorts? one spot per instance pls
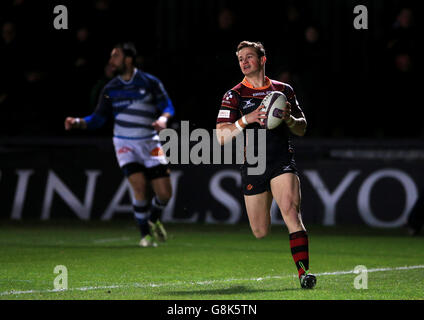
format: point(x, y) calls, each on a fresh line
point(148, 153)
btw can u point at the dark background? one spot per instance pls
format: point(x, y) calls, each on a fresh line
point(350, 83)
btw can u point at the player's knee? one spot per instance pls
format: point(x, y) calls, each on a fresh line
point(164, 197)
point(260, 233)
point(163, 192)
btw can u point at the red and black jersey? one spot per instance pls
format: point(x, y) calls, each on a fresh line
point(243, 99)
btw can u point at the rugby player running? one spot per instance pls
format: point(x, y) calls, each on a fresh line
point(140, 107)
point(241, 109)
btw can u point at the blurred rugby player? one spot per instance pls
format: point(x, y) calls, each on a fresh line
point(140, 107)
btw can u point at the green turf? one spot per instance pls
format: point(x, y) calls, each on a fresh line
point(203, 262)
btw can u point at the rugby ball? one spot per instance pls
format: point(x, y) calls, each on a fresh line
point(274, 104)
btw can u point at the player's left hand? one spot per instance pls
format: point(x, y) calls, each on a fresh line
point(287, 112)
point(159, 125)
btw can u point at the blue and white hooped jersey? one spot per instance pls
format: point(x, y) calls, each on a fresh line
point(133, 104)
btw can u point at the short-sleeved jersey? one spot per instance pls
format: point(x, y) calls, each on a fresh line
point(243, 99)
point(133, 105)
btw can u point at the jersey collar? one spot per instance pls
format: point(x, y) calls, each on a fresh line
point(132, 77)
point(247, 84)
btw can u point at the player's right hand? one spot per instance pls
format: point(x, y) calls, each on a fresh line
point(256, 116)
point(71, 123)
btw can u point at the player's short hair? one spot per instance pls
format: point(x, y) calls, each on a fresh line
point(128, 48)
point(259, 47)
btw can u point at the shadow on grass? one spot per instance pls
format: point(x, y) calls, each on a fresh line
point(233, 290)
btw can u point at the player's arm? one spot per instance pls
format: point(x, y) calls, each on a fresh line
point(226, 131)
point(294, 116)
point(162, 121)
point(229, 123)
point(93, 121)
point(165, 106)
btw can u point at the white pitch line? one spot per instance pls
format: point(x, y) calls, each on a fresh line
point(111, 240)
point(371, 270)
point(200, 283)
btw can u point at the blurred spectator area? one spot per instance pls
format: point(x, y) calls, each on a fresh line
point(350, 83)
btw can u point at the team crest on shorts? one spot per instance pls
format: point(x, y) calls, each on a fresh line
point(249, 187)
point(124, 150)
point(157, 152)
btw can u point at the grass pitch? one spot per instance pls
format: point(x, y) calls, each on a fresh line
point(204, 262)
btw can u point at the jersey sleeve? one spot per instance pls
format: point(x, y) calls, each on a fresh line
point(291, 98)
point(229, 111)
point(102, 112)
point(164, 103)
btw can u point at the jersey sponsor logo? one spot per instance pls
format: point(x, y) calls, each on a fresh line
point(121, 103)
point(224, 114)
point(124, 150)
point(248, 104)
point(262, 93)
